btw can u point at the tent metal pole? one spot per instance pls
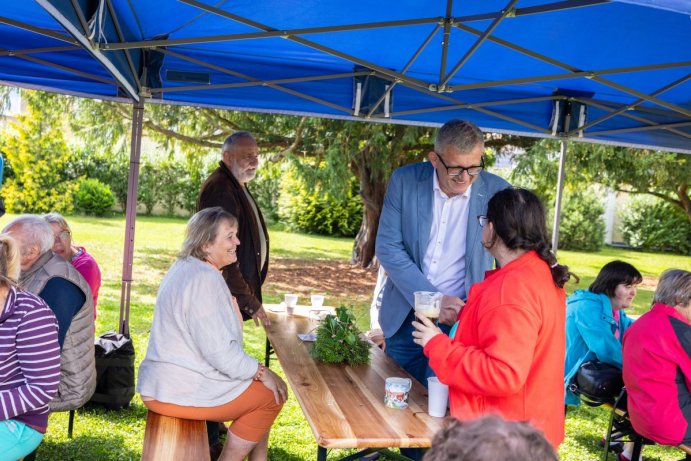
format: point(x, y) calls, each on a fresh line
point(608, 107)
point(632, 105)
point(642, 128)
point(595, 78)
point(557, 204)
point(508, 10)
point(130, 215)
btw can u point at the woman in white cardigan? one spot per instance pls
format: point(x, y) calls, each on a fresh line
point(195, 366)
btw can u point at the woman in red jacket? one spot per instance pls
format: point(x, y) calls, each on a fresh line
point(507, 354)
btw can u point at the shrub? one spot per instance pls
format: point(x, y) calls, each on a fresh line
point(265, 188)
point(111, 168)
point(92, 197)
point(148, 192)
point(581, 226)
point(651, 224)
point(314, 211)
point(196, 172)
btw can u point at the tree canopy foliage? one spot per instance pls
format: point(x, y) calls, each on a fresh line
point(664, 175)
point(38, 157)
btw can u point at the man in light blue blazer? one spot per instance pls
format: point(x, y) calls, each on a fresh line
point(429, 236)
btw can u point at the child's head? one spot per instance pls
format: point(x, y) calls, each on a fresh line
point(488, 439)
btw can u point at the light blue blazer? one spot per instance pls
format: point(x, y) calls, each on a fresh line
point(404, 227)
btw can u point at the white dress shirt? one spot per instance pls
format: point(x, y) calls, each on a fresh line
point(444, 262)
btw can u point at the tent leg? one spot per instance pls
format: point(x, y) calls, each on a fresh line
point(557, 205)
point(130, 216)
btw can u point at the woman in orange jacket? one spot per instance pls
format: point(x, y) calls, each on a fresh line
point(507, 354)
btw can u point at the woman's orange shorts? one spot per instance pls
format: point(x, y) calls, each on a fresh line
point(252, 413)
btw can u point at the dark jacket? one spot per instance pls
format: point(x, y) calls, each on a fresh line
point(246, 276)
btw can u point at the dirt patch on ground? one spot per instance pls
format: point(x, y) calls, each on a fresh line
point(648, 282)
point(337, 279)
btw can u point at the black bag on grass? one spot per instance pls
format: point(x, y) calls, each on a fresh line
point(114, 371)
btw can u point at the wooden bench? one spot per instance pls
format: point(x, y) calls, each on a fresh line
point(344, 405)
point(167, 438)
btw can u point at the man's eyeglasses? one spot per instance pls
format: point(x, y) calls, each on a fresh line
point(458, 170)
point(482, 220)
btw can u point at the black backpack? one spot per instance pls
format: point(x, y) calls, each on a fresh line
point(114, 371)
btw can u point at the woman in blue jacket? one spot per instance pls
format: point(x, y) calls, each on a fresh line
point(596, 322)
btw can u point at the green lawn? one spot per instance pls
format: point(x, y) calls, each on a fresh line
point(101, 435)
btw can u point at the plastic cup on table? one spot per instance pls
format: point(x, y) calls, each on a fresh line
point(291, 301)
point(317, 301)
point(438, 397)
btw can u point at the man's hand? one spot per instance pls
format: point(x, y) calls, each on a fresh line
point(450, 307)
point(424, 330)
point(377, 337)
point(261, 315)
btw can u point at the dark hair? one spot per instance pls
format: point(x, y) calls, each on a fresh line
point(519, 221)
point(612, 274)
point(488, 439)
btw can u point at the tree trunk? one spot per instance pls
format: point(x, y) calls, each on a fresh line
point(372, 190)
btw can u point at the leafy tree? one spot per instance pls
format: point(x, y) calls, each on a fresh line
point(661, 174)
point(35, 148)
point(325, 153)
point(337, 149)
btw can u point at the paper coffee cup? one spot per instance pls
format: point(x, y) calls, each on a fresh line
point(438, 397)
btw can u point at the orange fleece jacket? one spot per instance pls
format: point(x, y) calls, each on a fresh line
point(507, 356)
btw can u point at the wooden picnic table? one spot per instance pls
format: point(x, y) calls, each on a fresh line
point(344, 405)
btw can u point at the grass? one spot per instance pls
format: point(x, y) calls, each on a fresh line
point(104, 435)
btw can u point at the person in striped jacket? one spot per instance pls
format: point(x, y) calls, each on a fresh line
point(29, 360)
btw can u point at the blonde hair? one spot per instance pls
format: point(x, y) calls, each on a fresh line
point(202, 229)
point(9, 261)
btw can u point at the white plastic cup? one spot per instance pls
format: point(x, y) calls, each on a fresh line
point(317, 301)
point(291, 301)
point(438, 397)
point(427, 304)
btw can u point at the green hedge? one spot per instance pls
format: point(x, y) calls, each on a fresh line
point(581, 226)
point(654, 225)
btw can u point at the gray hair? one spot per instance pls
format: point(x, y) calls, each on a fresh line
point(202, 229)
point(490, 438)
point(462, 135)
point(56, 218)
point(674, 288)
point(230, 140)
point(35, 230)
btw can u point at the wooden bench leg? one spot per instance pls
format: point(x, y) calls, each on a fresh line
point(167, 438)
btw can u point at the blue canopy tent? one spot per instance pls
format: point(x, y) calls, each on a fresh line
point(616, 72)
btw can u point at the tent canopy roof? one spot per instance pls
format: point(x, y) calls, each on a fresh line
point(499, 63)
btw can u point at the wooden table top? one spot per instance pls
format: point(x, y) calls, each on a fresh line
point(344, 405)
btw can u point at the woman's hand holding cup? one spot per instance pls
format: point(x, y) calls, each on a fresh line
point(425, 330)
